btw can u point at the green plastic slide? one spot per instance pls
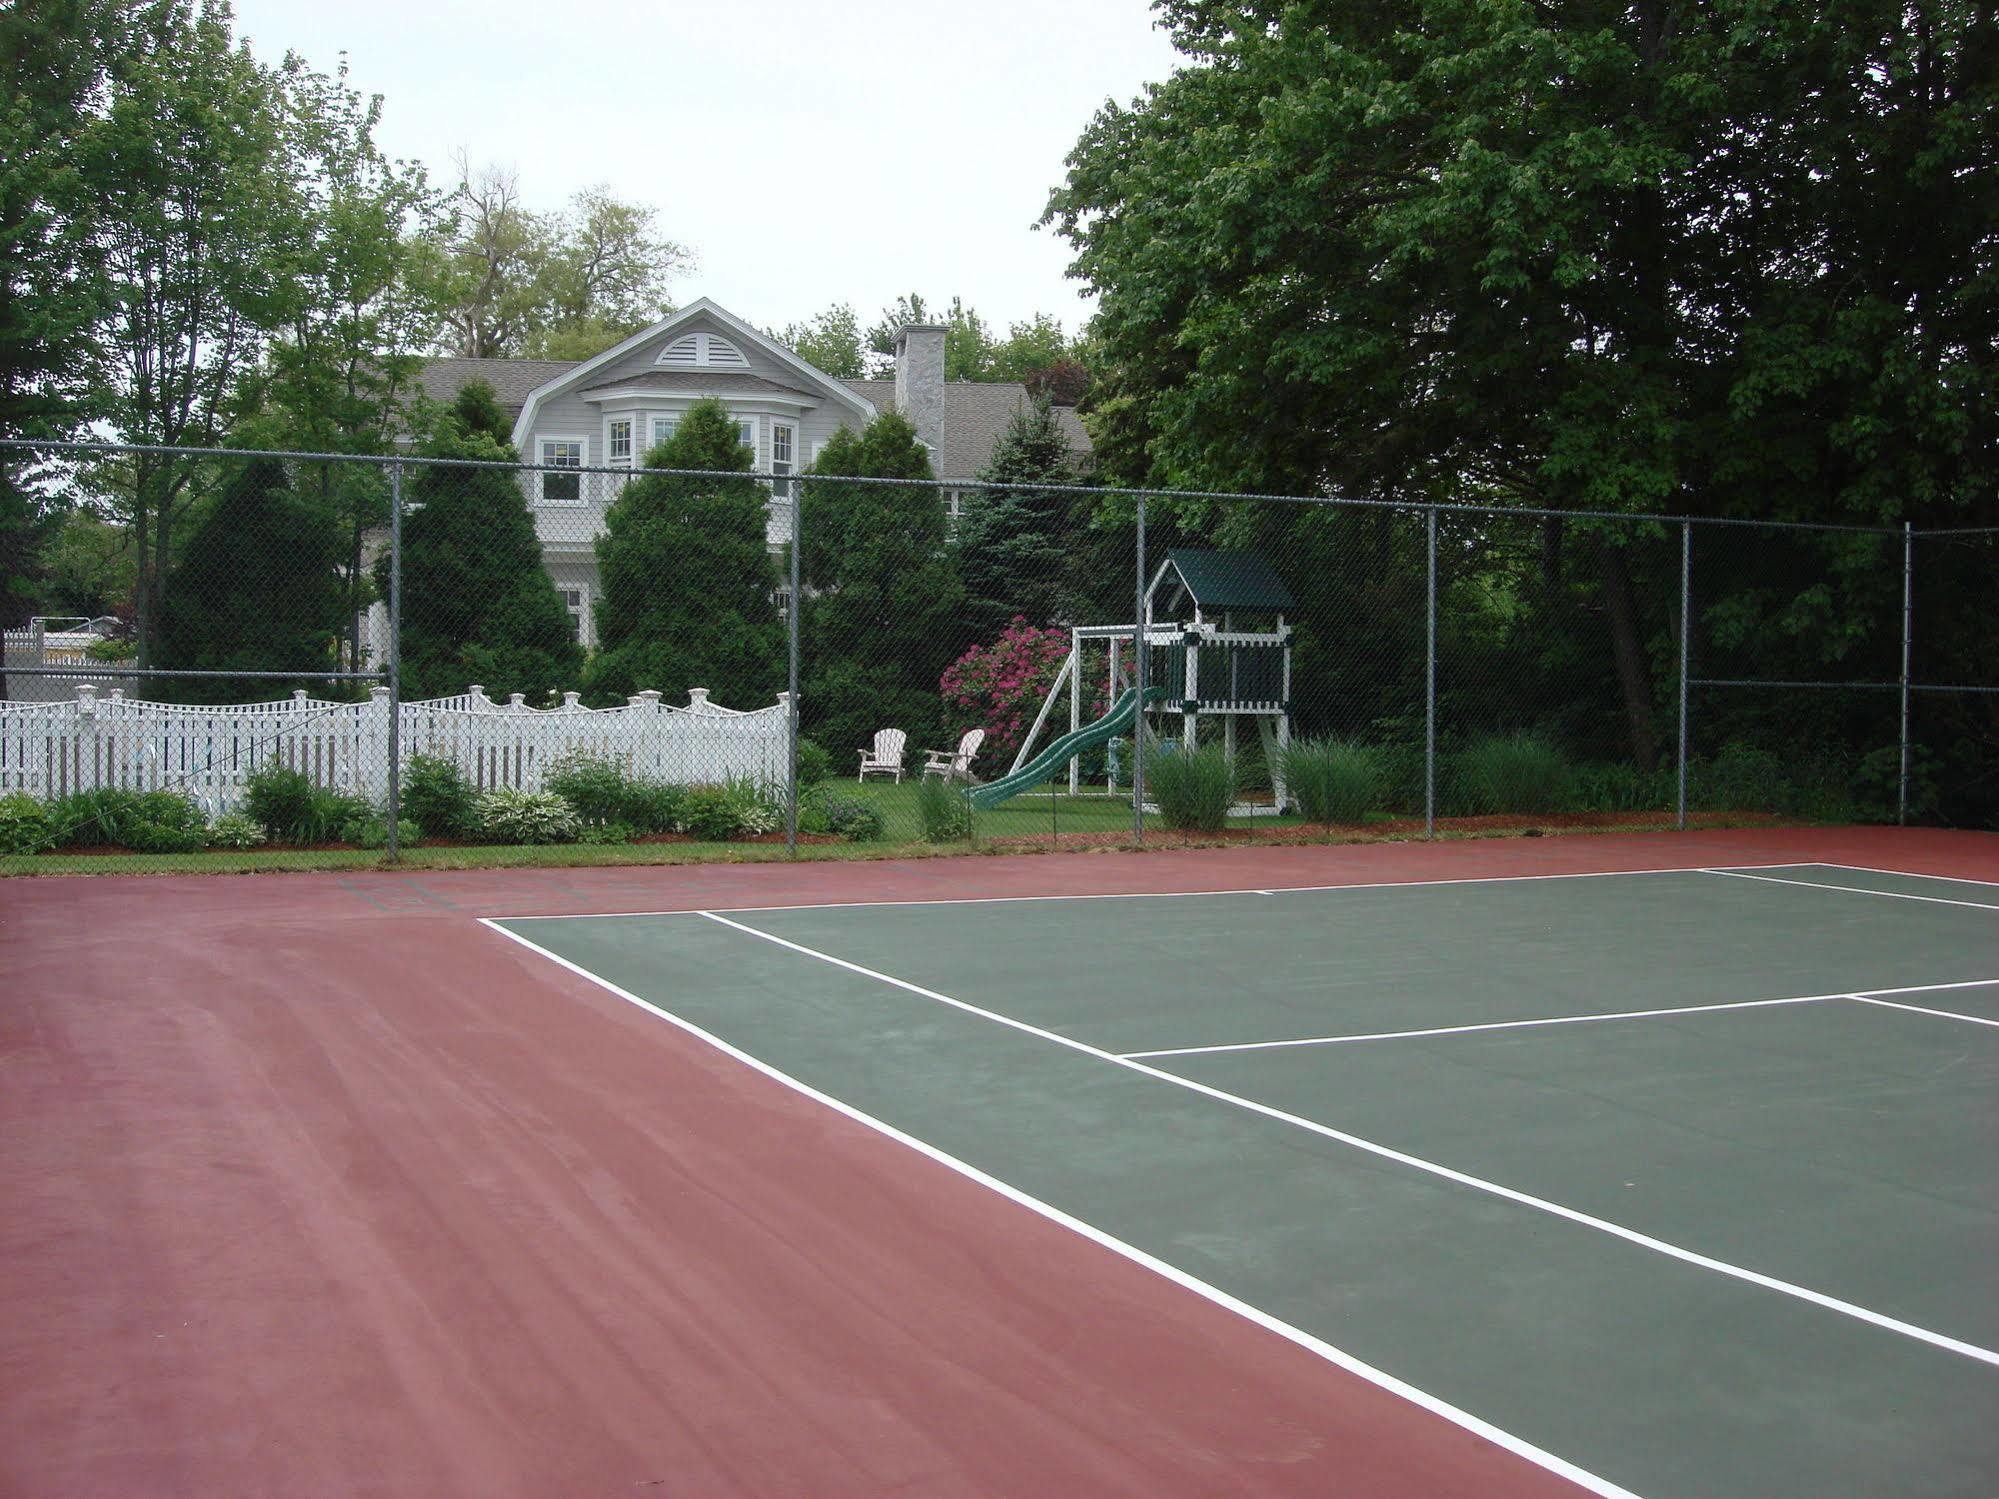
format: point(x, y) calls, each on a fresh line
point(1123, 714)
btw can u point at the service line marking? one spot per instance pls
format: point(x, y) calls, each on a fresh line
point(1512, 1025)
point(1389, 1153)
point(1889, 1004)
point(1311, 1343)
point(1771, 879)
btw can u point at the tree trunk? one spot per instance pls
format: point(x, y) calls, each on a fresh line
point(1633, 679)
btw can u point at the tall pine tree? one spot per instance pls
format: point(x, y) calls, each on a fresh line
point(1015, 548)
point(685, 567)
point(255, 589)
point(885, 615)
point(477, 604)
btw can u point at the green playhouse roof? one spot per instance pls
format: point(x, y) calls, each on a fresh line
point(1229, 580)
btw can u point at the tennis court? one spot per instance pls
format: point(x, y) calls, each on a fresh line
point(1654, 1165)
point(1681, 1180)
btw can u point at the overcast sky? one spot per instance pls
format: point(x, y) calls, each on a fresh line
point(807, 153)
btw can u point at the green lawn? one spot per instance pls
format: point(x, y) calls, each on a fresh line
point(1029, 815)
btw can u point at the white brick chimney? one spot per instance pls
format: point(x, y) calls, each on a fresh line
point(919, 385)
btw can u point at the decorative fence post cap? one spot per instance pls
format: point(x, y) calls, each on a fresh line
point(650, 697)
point(475, 690)
point(570, 700)
point(697, 697)
point(86, 692)
point(518, 701)
point(298, 696)
point(379, 694)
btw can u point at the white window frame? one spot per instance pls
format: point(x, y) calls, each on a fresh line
point(581, 613)
point(657, 419)
point(630, 422)
point(541, 446)
point(751, 420)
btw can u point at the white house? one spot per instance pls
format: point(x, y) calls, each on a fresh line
point(609, 411)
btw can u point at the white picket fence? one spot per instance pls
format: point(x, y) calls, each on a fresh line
point(93, 740)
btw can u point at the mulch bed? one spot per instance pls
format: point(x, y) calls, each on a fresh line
point(1490, 825)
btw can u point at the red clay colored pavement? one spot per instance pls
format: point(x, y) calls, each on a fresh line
point(313, 1186)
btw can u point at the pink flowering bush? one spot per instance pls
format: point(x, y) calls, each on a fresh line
point(1000, 687)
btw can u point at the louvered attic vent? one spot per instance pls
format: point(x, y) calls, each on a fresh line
point(702, 350)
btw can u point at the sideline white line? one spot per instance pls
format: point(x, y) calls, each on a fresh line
point(1389, 1153)
point(1889, 1004)
point(1770, 879)
point(1510, 1025)
point(1014, 900)
point(1380, 1378)
point(1910, 874)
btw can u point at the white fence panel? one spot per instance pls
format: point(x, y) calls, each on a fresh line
point(54, 749)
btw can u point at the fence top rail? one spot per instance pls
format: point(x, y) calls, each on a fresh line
point(1346, 502)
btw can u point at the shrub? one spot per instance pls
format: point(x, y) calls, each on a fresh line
point(373, 832)
point(599, 788)
point(606, 832)
point(654, 806)
point(1742, 778)
point(280, 802)
point(1000, 687)
point(234, 830)
point(843, 816)
point(946, 814)
point(95, 819)
point(525, 817)
point(437, 797)
point(1194, 788)
point(706, 813)
point(814, 763)
point(165, 822)
point(1616, 787)
point(26, 825)
point(1332, 780)
point(1511, 773)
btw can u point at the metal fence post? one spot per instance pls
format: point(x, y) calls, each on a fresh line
point(791, 699)
point(1430, 689)
point(1908, 631)
point(395, 663)
point(1139, 663)
point(1686, 661)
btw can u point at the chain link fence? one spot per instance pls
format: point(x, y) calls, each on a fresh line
point(311, 657)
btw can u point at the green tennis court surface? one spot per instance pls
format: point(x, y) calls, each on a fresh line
point(1687, 1179)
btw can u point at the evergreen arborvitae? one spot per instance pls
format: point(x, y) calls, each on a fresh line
point(884, 615)
point(255, 589)
point(688, 584)
point(1016, 545)
point(477, 604)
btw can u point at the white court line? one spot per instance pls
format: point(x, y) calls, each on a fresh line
point(1955, 879)
point(1014, 900)
point(1510, 1025)
point(1386, 1152)
point(1381, 1379)
point(1889, 1004)
point(1769, 879)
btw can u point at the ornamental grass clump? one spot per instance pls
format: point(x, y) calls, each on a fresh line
point(1332, 780)
point(1193, 788)
point(1512, 773)
point(946, 814)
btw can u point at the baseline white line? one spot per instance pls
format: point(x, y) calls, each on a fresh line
point(1380, 1378)
point(1014, 900)
point(1935, 900)
point(1910, 874)
point(1889, 1004)
point(1389, 1153)
point(1509, 1025)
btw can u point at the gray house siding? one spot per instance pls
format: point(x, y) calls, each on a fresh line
point(764, 388)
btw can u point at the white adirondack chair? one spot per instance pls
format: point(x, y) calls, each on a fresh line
point(955, 764)
point(885, 759)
